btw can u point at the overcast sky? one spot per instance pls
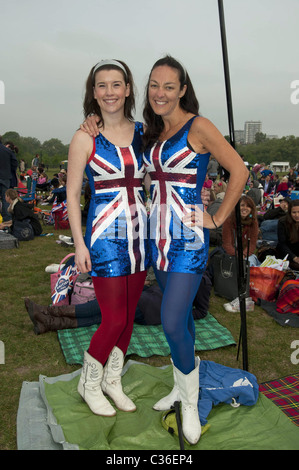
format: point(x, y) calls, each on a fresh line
point(48, 48)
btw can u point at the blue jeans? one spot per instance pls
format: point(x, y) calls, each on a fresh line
point(269, 230)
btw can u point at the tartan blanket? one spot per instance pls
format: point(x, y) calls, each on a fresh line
point(146, 341)
point(285, 394)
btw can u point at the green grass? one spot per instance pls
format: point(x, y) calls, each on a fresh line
point(27, 355)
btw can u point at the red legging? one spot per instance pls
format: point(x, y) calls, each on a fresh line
point(117, 298)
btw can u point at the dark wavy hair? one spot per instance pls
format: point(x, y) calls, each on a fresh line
point(188, 102)
point(290, 224)
point(90, 104)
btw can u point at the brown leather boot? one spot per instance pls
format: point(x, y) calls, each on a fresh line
point(51, 318)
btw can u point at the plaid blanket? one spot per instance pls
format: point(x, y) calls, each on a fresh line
point(285, 394)
point(146, 341)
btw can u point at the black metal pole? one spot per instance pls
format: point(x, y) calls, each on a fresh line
point(179, 423)
point(242, 277)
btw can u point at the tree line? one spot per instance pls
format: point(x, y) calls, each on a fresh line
point(51, 152)
point(264, 150)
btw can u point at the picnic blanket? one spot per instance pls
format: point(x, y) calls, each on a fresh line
point(285, 394)
point(52, 415)
point(146, 341)
point(283, 319)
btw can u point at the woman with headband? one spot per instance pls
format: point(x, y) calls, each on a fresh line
point(114, 248)
point(178, 144)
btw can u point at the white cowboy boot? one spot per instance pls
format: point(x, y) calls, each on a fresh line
point(89, 387)
point(166, 402)
point(189, 389)
point(111, 383)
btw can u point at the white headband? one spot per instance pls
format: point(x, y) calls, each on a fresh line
point(109, 62)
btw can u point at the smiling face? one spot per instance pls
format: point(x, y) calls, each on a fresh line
point(164, 91)
point(110, 90)
point(245, 210)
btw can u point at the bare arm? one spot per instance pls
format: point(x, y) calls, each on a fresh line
point(80, 149)
point(204, 136)
point(8, 223)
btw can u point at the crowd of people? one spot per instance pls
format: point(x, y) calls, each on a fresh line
point(29, 187)
point(174, 158)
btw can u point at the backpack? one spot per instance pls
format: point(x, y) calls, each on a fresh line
point(22, 230)
point(288, 298)
point(83, 290)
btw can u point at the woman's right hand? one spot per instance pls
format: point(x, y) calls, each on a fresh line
point(90, 125)
point(82, 259)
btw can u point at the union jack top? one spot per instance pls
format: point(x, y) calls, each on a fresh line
point(177, 176)
point(117, 219)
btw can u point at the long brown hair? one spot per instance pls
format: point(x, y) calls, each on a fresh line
point(290, 223)
point(188, 102)
point(90, 104)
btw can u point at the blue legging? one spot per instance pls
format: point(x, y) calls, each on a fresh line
point(179, 290)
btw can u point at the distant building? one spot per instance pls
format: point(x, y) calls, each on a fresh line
point(279, 167)
point(239, 137)
point(251, 128)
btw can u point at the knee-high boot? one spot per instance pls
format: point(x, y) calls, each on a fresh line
point(89, 387)
point(166, 402)
point(111, 384)
point(51, 318)
point(189, 389)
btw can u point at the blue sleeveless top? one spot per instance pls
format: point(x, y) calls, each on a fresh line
point(177, 175)
point(116, 226)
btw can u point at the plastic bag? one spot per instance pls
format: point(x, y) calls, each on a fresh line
point(264, 283)
point(273, 262)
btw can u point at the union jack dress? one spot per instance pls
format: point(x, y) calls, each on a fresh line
point(116, 225)
point(177, 176)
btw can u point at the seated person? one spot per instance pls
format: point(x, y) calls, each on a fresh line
point(288, 235)
point(255, 192)
point(42, 181)
point(267, 184)
point(20, 211)
point(284, 188)
point(250, 230)
point(296, 184)
point(22, 185)
point(269, 221)
point(58, 191)
point(55, 317)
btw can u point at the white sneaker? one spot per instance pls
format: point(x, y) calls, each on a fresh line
point(53, 268)
point(65, 239)
point(234, 305)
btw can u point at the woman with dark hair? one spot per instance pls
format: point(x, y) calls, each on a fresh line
point(178, 144)
point(250, 230)
point(288, 235)
point(249, 225)
point(113, 250)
